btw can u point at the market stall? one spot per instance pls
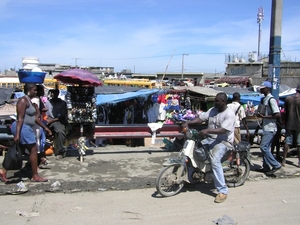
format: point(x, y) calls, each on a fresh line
point(81, 104)
point(201, 98)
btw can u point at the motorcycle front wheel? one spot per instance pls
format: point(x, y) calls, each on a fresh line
point(236, 175)
point(169, 180)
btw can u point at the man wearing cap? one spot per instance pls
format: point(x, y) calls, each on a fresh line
point(292, 123)
point(269, 116)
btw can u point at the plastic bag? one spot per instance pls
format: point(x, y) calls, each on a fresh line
point(201, 153)
point(13, 158)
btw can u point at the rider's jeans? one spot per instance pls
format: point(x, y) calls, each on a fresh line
point(216, 153)
point(269, 162)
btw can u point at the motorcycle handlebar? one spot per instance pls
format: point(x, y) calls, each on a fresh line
point(187, 134)
point(184, 129)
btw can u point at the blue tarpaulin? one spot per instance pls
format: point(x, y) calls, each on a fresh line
point(246, 95)
point(115, 98)
point(254, 98)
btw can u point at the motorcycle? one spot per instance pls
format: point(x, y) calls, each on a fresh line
point(193, 165)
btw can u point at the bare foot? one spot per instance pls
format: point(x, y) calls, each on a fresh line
point(38, 179)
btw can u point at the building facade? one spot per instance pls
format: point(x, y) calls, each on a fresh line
point(258, 70)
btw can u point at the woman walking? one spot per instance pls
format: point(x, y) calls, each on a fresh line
point(27, 117)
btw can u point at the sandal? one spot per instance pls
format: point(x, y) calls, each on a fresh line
point(3, 178)
point(43, 163)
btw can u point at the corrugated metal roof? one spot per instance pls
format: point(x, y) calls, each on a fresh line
point(200, 90)
point(233, 80)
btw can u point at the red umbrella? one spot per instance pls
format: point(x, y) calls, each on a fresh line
point(78, 76)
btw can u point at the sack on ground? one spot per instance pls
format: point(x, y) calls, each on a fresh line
point(13, 159)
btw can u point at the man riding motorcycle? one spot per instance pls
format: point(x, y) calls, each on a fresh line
point(219, 139)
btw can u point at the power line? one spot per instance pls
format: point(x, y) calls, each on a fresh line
point(163, 56)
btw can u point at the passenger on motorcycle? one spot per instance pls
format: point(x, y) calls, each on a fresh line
point(219, 136)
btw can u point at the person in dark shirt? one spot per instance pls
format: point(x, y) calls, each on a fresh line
point(57, 121)
point(292, 124)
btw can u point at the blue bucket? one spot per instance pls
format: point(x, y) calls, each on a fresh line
point(31, 77)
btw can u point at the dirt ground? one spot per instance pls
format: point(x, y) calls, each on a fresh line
point(115, 167)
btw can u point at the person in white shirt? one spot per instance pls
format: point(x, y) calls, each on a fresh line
point(240, 116)
point(219, 137)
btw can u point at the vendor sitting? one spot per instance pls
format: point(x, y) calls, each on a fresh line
point(57, 121)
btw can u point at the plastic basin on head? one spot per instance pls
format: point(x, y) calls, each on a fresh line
point(31, 77)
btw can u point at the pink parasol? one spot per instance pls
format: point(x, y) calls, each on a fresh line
point(78, 76)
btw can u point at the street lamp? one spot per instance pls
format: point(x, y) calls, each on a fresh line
point(182, 67)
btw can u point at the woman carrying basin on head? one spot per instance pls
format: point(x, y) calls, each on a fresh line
point(27, 117)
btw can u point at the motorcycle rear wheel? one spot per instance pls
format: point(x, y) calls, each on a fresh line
point(236, 176)
point(167, 182)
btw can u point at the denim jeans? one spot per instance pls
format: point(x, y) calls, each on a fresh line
point(269, 162)
point(216, 152)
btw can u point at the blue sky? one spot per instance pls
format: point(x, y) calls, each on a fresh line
point(144, 36)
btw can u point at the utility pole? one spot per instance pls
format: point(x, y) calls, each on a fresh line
point(76, 61)
point(275, 47)
point(182, 67)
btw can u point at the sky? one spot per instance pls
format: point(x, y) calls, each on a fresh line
point(144, 36)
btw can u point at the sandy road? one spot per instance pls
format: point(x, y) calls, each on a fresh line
point(274, 201)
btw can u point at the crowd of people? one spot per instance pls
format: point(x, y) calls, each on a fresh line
point(24, 128)
point(273, 121)
point(223, 131)
point(36, 118)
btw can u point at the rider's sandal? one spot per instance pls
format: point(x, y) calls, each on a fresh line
point(43, 163)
